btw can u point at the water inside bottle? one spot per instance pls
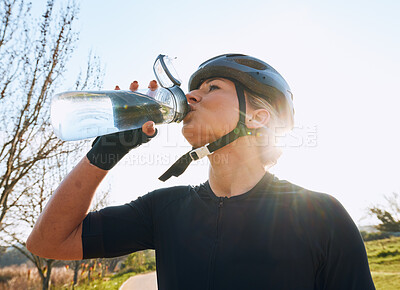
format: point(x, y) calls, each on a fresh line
point(81, 115)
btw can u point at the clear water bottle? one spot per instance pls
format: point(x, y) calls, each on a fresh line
point(78, 115)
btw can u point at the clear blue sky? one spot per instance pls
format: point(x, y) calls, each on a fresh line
point(341, 59)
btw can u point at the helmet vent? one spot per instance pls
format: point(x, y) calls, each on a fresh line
point(251, 63)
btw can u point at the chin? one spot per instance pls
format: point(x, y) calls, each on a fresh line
point(192, 136)
point(189, 135)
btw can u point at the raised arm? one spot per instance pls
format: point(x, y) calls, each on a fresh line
point(57, 232)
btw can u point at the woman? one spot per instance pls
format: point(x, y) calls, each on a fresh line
point(243, 228)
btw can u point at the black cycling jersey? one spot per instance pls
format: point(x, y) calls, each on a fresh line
point(276, 236)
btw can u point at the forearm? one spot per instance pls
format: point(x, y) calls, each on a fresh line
point(58, 228)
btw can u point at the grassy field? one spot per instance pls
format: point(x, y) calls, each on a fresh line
point(112, 283)
point(384, 261)
point(17, 277)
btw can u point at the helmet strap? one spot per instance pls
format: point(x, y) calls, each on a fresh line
point(197, 153)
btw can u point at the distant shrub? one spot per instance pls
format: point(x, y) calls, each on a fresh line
point(374, 236)
point(24, 277)
point(139, 262)
point(384, 254)
point(4, 277)
point(19, 277)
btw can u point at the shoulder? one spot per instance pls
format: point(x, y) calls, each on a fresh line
point(168, 194)
point(320, 214)
point(311, 203)
point(288, 189)
point(161, 198)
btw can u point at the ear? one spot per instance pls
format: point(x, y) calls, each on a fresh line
point(257, 119)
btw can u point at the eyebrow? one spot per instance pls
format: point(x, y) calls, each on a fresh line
point(213, 79)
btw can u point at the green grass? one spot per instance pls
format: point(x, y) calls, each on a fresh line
point(384, 262)
point(109, 283)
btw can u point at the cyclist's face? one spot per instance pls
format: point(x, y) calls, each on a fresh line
point(214, 112)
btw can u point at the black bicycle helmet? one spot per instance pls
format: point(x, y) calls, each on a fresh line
point(255, 75)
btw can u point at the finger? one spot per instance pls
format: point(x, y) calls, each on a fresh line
point(149, 128)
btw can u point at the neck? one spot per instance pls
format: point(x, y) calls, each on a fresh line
point(235, 169)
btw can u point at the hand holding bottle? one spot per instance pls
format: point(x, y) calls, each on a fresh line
point(107, 150)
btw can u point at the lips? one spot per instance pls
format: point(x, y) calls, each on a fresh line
point(188, 115)
point(191, 108)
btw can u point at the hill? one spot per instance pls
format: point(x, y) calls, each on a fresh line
point(10, 256)
point(384, 261)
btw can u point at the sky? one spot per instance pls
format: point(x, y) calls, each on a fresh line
point(340, 59)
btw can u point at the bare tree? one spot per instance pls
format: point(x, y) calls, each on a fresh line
point(26, 212)
point(33, 58)
point(388, 214)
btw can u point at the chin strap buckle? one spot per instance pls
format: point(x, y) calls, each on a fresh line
point(199, 153)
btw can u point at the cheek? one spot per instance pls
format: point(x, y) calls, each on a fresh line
point(212, 121)
point(221, 121)
point(208, 127)
point(224, 114)
point(224, 118)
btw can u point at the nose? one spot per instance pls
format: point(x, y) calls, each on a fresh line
point(193, 97)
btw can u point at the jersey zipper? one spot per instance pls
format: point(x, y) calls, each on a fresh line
point(214, 250)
